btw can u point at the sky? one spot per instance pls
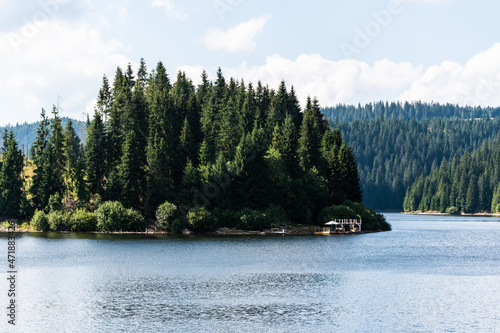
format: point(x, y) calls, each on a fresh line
point(55, 52)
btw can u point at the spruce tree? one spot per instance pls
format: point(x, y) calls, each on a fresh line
point(11, 181)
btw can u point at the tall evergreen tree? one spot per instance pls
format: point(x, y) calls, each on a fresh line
point(11, 181)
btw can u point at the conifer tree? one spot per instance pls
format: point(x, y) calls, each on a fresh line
point(95, 155)
point(11, 182)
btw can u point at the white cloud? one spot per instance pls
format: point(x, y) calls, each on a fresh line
point(238, 38)
point(169, 8)
point(60, 59)
point(352, 81)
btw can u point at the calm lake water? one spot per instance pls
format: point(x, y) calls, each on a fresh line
point(430, 274)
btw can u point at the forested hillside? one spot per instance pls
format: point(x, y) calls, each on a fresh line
point(222, 154)
point(26, 133)
point(393, 149)
point(469, 184)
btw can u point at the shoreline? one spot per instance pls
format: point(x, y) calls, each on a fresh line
point(462, 214)
point(296, 231)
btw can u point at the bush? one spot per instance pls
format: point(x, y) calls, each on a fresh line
point(452, 210)
point(135, 220)
point(58, 220)
point(199, 219)
point(336, 212)
point(225, 218)
point(112, 216)
point(253, 220)
point(370, 219)
point(277, 216)
point(178, 225)
point(165, 215)
point(40, 221)
point(82, 221)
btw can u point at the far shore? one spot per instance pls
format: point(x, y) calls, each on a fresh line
point(462, 214)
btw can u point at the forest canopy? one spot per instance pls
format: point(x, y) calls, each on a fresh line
point(222, 152)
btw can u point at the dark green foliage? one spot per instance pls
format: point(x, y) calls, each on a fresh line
point(277, 216)
point(55, 203)
point(96, 154)
point(210, 151)
point(469, 183)
point(370, 219)
point(336, 212)
point(394, 143)
point(253, 220)
point(11, 182)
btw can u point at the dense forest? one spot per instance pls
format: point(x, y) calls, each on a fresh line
point(25, 133)
point(469, 184)
point(396, 143)
point(222, 154)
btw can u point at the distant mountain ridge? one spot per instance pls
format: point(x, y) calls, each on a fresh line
point(26, 133)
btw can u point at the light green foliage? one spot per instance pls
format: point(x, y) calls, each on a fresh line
point(165, 215)
point(58, 220)
point(40, 221)
point(112, 216)
point(199, 219)
point(452, 210)
point(82, 221)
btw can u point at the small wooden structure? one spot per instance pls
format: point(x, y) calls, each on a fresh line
point(340, 226)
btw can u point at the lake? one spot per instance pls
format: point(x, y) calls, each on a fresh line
point(430, 274)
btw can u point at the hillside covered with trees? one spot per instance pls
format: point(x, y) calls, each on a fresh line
point(396, 143)
point(470, 184)
point(222, 154)
point(25, 133)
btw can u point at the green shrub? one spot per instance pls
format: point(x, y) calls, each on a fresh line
point(40, 221)
point(178, 225)
point(452, 210)
point(253, 220)
point(336, 212)
point(225, 218)
point(82, 221)
point(135, 220)
point(112, 216)
point(165, 215)
point(25, 226)
point(370, 219)
point(58, 220)
point(277, 215)
point(199, 219)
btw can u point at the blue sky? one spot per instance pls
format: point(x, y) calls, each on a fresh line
point(354, 51)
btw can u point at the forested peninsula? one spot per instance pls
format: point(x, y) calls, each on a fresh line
point(171, 156)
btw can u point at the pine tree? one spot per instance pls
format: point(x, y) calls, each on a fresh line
point(95, 155)
point(57, 140)
point(11, 181)
point(159, 150)
point(41, 188)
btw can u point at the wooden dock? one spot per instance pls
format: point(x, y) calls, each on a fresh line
point(340, 226)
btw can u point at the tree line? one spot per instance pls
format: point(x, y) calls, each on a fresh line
point(393, 151)
point(469, 184)
point(223, 147)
